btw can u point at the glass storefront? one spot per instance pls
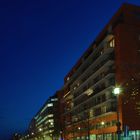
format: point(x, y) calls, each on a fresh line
point(133, 135)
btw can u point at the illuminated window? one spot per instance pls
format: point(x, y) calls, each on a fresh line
point(51, 121)
point(51, 124)
point(68, 78)
point(104, 109)
point(112, 43)
point(50, 115)
point(91, 113)
point(50, 131)
point(49, 105)
point(55, 99)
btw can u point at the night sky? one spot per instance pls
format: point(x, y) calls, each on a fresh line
point(39, 43)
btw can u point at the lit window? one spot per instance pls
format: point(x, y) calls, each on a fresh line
point(52, 124)
point(50, 131)
point(68, 78)
point(49, 105)
point(51, 121)
point(112, 43)
point(50, 115)
point(89, 91)
point(78, 84)
point(104, 109)
point(55, 99)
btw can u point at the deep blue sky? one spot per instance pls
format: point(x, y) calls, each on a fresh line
point(39, 43)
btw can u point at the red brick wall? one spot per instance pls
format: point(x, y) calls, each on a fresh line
point(128, 71)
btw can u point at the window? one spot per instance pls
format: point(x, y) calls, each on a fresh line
point(50, 115)
point(54, 99)
point(49, 105)
point(112, 43)
point(51, 120)
point(68, 78)
point(104, 109)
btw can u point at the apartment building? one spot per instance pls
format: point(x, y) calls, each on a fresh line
point(44, 125)
point(91, 110)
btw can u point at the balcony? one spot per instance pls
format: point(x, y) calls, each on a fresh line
point(100, 48)
point(96, 60)
point(105, 64)
point(81, 106)
point(94, 85)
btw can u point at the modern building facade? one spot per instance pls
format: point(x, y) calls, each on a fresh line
point(91, 110)
point(44, 125)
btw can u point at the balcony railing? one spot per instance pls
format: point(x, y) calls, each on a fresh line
point(94, 103)
point(101, 48)
point(95, 80)
point(95, 59)
point(98, 67)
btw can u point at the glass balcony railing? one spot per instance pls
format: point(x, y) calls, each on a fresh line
point(97, 112)
point(98, 101)
point(78, 95)
point(95, 59)
point(93, 72)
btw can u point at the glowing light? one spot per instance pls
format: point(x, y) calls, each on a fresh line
point(116, 91)
point(102, 123)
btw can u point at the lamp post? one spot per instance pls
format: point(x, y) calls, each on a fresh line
point(117, 92)
point(79, 128)
point(102, 123)
point(61, 135)
point(86, 115)
point(88, 128)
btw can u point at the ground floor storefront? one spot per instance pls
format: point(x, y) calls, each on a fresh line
point(131, 135)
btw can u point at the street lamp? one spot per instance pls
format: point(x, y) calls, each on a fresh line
point(103, 123)
point(32, 133)
point(87, 124)
point(61, 135)
point(117, 91)
point(79, 128)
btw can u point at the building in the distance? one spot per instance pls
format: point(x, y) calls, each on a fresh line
point(44, 125)
point(16, 136)
point(111, 65)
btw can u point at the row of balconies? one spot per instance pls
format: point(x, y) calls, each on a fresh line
point(92, 67)
point(96, 89)
point(111, 107)
point(94, 81)
point(96, 102)
point(94, 74)
point(91, 100)
point(100, 49)
point(85, 126)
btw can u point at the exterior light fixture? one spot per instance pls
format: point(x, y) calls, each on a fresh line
point(79, 128)
point(40, 129)
point(102, 123)
point(32, 133)
point(116, 90)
